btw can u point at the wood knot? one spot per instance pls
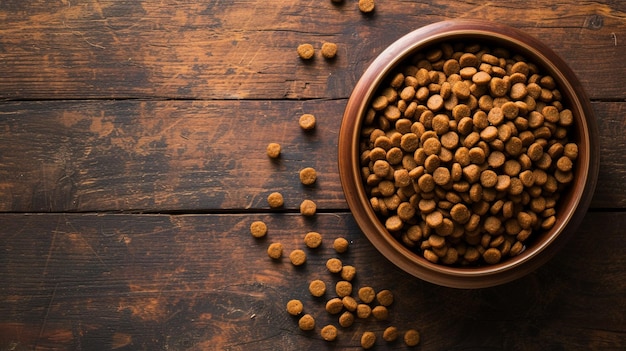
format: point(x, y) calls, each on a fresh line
point(594, 22)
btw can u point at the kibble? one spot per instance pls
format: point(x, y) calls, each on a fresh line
point(329, 332)
point(273, 150)
point(367, 294)
point(340, 245)
point(348, 272)
point(308, 208)
point(343, 288)
point(385, 297)
point(366, 6)
point(317, 288)
point(275, 200)
point(334, 305)
point(307, 121)
point(313, 239)
point(368, 340)
point(258, 229)
point(297, 257)
point(308, 176)
point(306, 51)
point(334, 265)
point(390, 334)
point(346, 319)
point(329, 50)
point(363, 311)
point(275, 251)
point(467, 144)
point(411, 337)
point(306, 322)
point(294, 307)
point(381, 313)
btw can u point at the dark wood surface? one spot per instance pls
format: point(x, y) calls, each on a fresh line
point(132, 162)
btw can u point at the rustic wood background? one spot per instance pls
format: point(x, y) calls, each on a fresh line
point(132, 161)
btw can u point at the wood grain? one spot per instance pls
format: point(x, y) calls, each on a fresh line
point(151, 156)
point(194, 282)
point(243, 50)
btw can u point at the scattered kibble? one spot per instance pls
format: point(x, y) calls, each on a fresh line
point(343, 288)
point(349, 303)
point(308, 176)
point(340, 245)
point(306, 322)
point(317, 288)
point(334, 305)
point(384, 297)
point(329, 50)
point(275, 251)
point(275, 200)
point(346, 319)
point(391, 334)
point(334, 265)
point(348, 272)
point(307, 121)
point(411, 337)
point(273, 150)
point(368, 339)
point(363, 311)
point(258, 229)
point(366, 6)
point(329, 332)
point(380, 312)
point(308, 208)
point(294, 307)
point(297, 257)
point(313, 239)
point(367, 294)
point(306, 51)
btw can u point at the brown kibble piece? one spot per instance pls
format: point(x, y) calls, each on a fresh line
point(385, 297)
point(313, 239)
point(306, 322)
point(307, 121)
point(297, 257)
point(294, 307)
point(308, 208)
point(381, 313)
point(258, 229)
point(329, 332)
point(343, 288)
point(411, 337)
point(492, 255)
point(367, 294)
point(275, 200)
point(340, 245)
point(275, 250)
point(368, 340)
point(334, 305)
point(348, 272)
point(346, 319)
point(363, 311)
point(329, 50)
point(306, 51)
point(317, 288)
point(349, 303)
point(308, 176)
point(366, 6)
point(273, 150)
point(390, 334)
point(334, 265)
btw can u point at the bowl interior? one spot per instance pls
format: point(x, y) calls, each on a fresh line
point(572, 204)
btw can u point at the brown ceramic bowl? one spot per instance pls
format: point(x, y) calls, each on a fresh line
point(573, 202)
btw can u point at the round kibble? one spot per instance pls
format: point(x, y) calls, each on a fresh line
point(366, 6)
point(308, 208)
point(340, 245)
point(306, 322)
point(390, 334)
point(294, 307)
point(384, 297)
point(329, 332)
point(275, 200)
point(306, 51)
point(348, 272)
point(343, 288)
point(275, 251)
point(381, 313)
point(273, 150)
point(334, 305)
point(334, 265)
point(297, 257)
point(367, 294)
point(346, 319)
point(492, 256)
point(411, 337)
point(349, 303)
point(307, 121)
point(368, 340)
point(329, 50)
point(317, 288)
point(363, 311)
point(313, 239)
point(308, 176)
point(258, 229)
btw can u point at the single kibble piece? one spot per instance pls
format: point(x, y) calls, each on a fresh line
point(340, 245)
point(308, 208)
point(329, 50)
point(294, 307)
point(390, 334)
point(366, 6)
point(334, 265)
point(367, 294)
point(380, 312)
point(273, 150)
point(306, 51)
point(297, 257)
point(348, 272)
point(343, 288)
point(411, 337)
point(329, 332)
point(307, 121)
point(308, 176)
point(349, 303)
point(346, 319)
point(363, 311)
point(258, 229)
point(313, 239)
point(306, 322)
point(275, 250)
point(368, 339)
point(334, 305)
point(275, 200)
point(384, 297)
point(317, 288)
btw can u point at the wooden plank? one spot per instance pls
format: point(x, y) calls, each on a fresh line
point(193, 282)
point(198, 156)
point(246, 49)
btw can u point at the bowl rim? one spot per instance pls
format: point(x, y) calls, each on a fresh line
point(349, 168)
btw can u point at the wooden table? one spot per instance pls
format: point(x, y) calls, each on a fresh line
point(132, 162)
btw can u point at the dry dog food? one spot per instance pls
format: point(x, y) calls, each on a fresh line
point(340, 245)
point(294, 307)
point(297, 257)
point(273, 150)
point(258, 229)
point(390, 334)
point(363, 311)
point(463, 153)
point(346, 319)
point(308, 176)
point(368, 339)
point(317, 288)
point(306, 322)
point(275, 200)
point(329, 50)
point(275, 251)
point(334, 305)
point(367, 294)
point(313, 239)
point(366, 6)
point(306, 51)
point(380, 312)
point(348, 272)
point(384, 297)
point(308, 208)
point(329, 332)
point(411, 337)
point(307, 121)
point(343, 288)
point(334, 265)
point(349, 303)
